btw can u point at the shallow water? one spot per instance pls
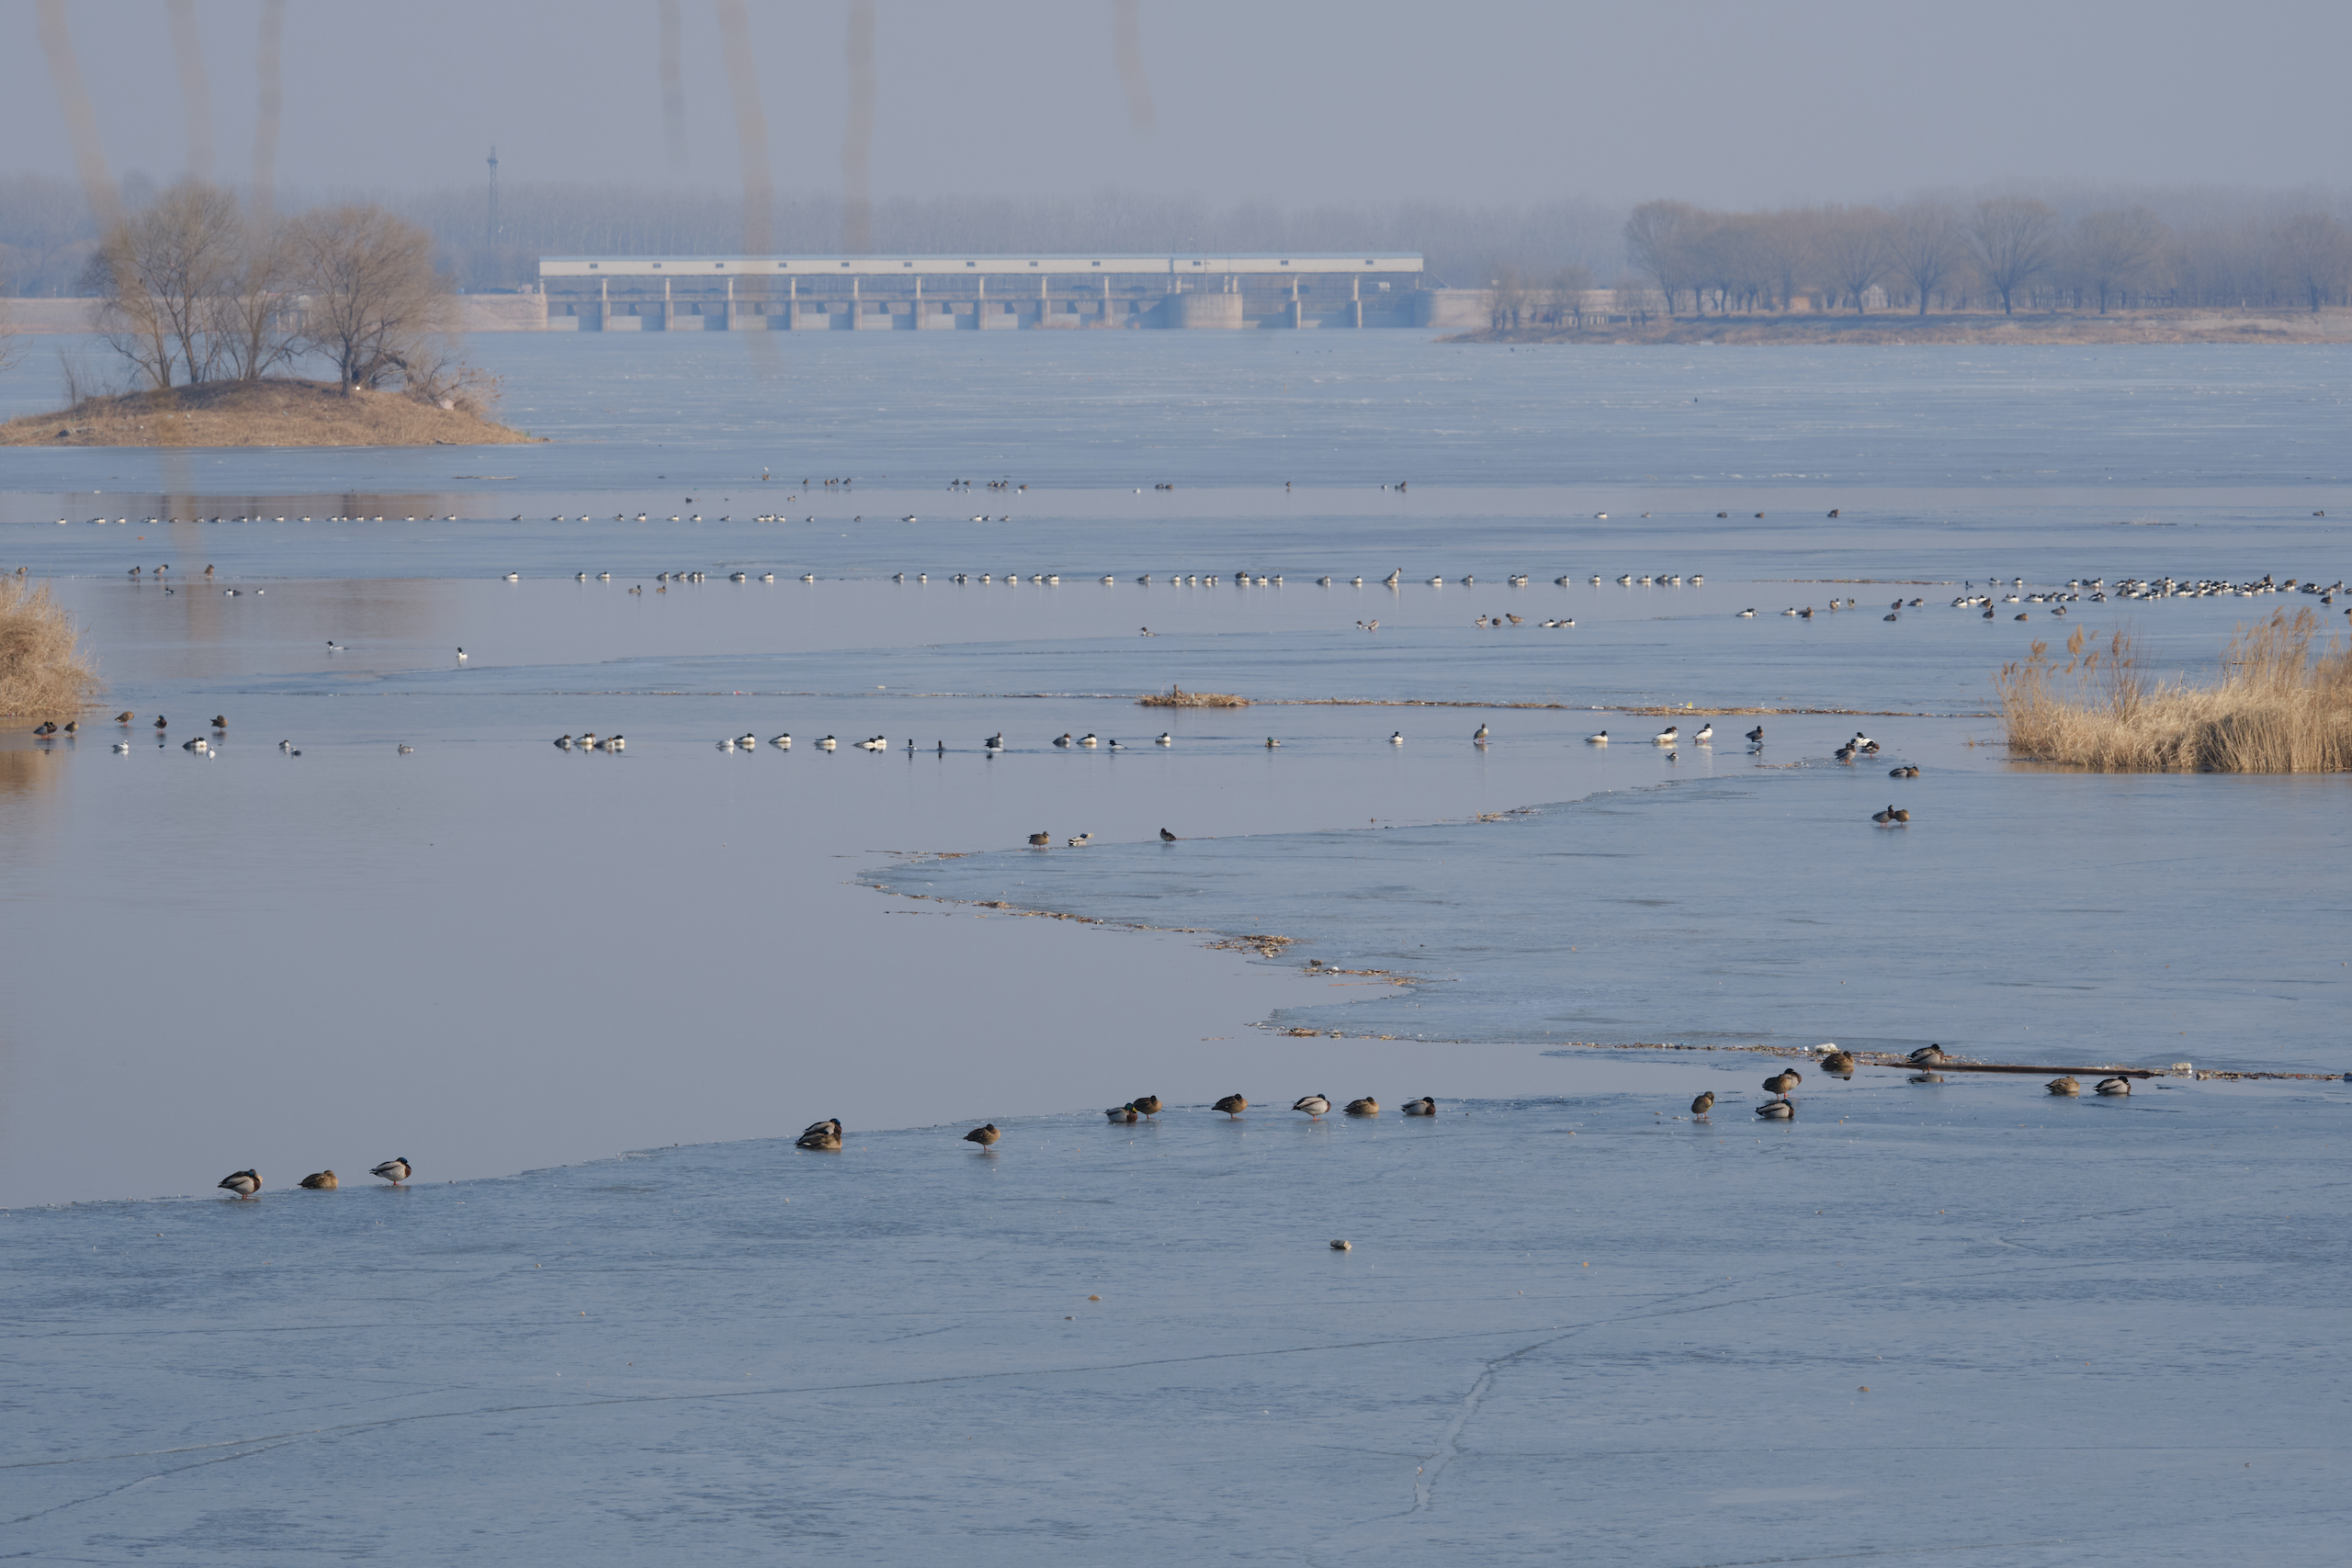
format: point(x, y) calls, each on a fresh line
point(493, 957)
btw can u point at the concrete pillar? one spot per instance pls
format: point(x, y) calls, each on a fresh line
point(1355, 297)
point(604, 302)
point(668, 310)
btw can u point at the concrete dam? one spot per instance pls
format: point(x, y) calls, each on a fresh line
point(969, 293)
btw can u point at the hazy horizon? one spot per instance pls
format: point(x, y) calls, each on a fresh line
point(1508, 103)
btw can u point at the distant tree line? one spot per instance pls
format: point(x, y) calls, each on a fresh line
point(196, 287)
point(2078, 249)
point(2014, 252)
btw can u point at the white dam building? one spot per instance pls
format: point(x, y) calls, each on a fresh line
point(974, 293)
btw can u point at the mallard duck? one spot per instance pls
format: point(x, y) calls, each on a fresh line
point(2064, 1085)
point(1271, 742)
point(1424, 1106)
point(321, 1182)
point(1123, 1112)
point(1147, 1103)
point(1883, 817)
point(1839, 1062)
point(1927, 1056)
point(1232, 1104)
point(1775, 1111)
point(1367, 1106)
point(1166, 837)
point(1039, 840)
point(1704, 1104)
point(983, 1137)
point(1784, 1081)
point(392, 1170)
point(1756, 733)
point(244, 1183)
point(1313, 1104)
point(1341, 1245)
point(2115, 1086)
point(125, 716)
point(46, 727)
point(825, 1135)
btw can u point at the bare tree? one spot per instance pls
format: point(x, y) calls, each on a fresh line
point(157, 274)
point(2312, 256)
point(1568, 288)
point(1506, 296)
point(1925, 248)
point(1856, 251)
point(2016, 239)
point(374, 304)
point(2117, 250)
point(253, 323)
point(1657, 241)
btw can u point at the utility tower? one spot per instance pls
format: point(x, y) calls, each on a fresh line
point(492, 230)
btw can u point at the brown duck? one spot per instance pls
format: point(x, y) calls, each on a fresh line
point(321, 1182)
point(825, 1135)
point(1367, 1106)
point(983, 1137)
point(1232, 1104)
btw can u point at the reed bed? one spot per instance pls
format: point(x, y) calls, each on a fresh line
point(2283, 704)
point(43, 672)
point(1176, 697)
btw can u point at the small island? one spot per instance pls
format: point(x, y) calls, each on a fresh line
point(276, 411)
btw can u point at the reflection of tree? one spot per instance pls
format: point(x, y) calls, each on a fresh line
point(31, 771)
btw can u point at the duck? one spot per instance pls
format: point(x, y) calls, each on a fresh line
point(1313, 1104)
point(1777, 1111)
point(1425, 1105)
point(1785, 1080)
point(406, 748)
point(1232, 1104)
point(747, 741)
point(1165, 740)
point(1063, 738)
point(563, 742)
point(1748, 614)
point(1081, 839)
point(2115, 1086)
point(825, 1135)
point(1039, 840)
point(993, 743)
point(1089, 739)
point(2064, 1085)
point(984, 1137)
point(48, 727)
point(1706, 733)
point(1149, 1104)
point(827, 744)
point(1600, 740)
point(1481, 735)
point(200, 744)
point(1397, 739)
point(1927, 1056)
point(244, 1183)
point(1271, 742)
point(1840, 1063)
point(392, 1170)
point(1166, 837)
point(461, 656)
point(125, 716)
point(1704, 1104)
point(782, 741)
point(1905, 772)
point(1123, 1112)
point(1667, 736)
point(1883, 817)
point(321, 1182)
point(162, 723)
point(1367, 1106)
point(1756, 736)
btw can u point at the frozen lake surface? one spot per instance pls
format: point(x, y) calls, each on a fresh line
point(1964, 1323)
point(1570, 1324)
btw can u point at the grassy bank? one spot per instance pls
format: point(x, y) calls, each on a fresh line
point(43, 672)
point(277, 412)
point(2283, 704)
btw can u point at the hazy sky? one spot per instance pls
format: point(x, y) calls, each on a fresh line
point(1505, 100)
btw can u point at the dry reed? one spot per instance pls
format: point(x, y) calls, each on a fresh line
point(1176, 697)
point(2283, 704)
point(43, 672)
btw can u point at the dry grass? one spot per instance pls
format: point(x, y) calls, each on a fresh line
point(2282, 706)
point(43, 672)
point(1176, 697)
point(277, 412)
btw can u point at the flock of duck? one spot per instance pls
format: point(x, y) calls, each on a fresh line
point(826, 1135)
point(1781, 1086)
point(247, 1183)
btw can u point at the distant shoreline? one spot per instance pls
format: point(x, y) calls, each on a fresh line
point(281, 411)
point(1899, 329)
